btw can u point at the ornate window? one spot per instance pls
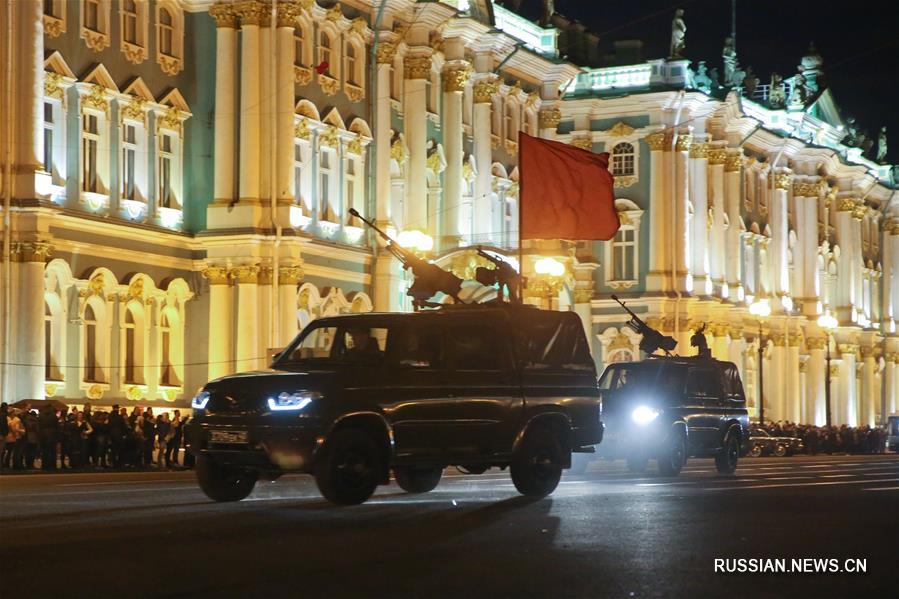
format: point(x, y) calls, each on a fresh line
point(95, 24)
point(353, 185)
point(54, 17)
point(166, 175)
point(49, 129)
point(167, 374)
point(169, 37)
point(302, 175)
point(326, 184)
point(133, 17)
point(131, 334)
point(351, 64)
point(90, 150)
point(50, 366)
point(623, 160)
point(128, 174)
point(92, 372)
point(622, 253)
point(324, 52)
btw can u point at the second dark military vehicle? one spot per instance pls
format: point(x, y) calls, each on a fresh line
point(356, 396)
point(669, 408)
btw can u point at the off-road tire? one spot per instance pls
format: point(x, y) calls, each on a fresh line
point(727, 457)
point(756, 450)
point(224, 483)
point(674, 458)
point(780, 450)
point(347, 472)
point(417, 480)
point(537, 464)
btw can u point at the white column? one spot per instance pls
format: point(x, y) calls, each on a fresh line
point(224, 152)
point(845, 408)
point(894, 279)
point(417, 67)
point(548, 120)
point(776, 408)
point(814, 382)
point(221, 319)
point(455, 76)
point(659, 225)
point(890, 373)
point(717, 251)
point(250, 110)
point(858, 260)
point(845, 297)
point(792, 386)
point(810, 247)
point(28, 96)
point(285, 99)
point(247, 347)
point(721, 342)
point(868, 401)
point(683, 234)
point(483, 91)
point(264, 308)
point(28, 320)
point(733, 266)
point(698, 182)
point(780, 232)
point(288, 277)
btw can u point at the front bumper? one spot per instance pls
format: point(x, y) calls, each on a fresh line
point(625, 438)
point(258, 445)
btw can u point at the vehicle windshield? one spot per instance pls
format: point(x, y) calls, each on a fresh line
point(642, 376)
point(358, 344)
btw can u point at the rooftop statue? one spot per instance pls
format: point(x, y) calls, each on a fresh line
point(549, 9)
point(800, 93)
point(729, 54)
point(701, 79)
point(811, 68)
point(776, 95)
point(678, 34)
point(750, 82)
point(882, 144)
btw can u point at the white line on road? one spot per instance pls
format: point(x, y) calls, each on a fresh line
point(882, 489)
point(809, 484)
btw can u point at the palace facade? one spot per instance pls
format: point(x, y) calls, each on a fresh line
point(178, 176)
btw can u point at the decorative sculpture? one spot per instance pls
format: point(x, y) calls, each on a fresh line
point(701, 79)
point(549, 9)
point(776, 95)
point(729, 54)
point(882, 144)
point(750, 82)
point(678, 34)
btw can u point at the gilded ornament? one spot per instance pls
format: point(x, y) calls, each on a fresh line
point(494, 142)
point(620, 129)
point(96, 285)
point(136, 289)
point(353, 93)
point(699, 150)
point(399, 152)
point(435, 165)
point(549, 118)
point(31, 251)
point(583, 296)
point(171, 119)
point(684, 141)
point(386, 52)
point(217, 275)
point(265, 275)
point(467, 171)
point(354, 146)
point(417, 67)
point(334, 13)
point(866, 351)
point(484, 89)
point(96, 98)
point(95, 40)
point(53, 85)
point(455, 77)
point(329, 85)
point(134, 392)
point(328, 137)
point(50, 389)
point(622, 182)
point(816, 342)
point(846, 205)
point(783, 180)
point(290, 275)
point(95, 392)
point(225, 15)
point(135, 109)
point(301, 130)
point(656, 141)
point(252, 12)
point(848, 348)
point(531, 100)
point(170, 394)
point(511, 147)
point(733, 162)
point(247, 273)
point(53, 27)
point(584, 143)
point(133, 53)
point(358, 26)
point(302, 75)
point(169, 65)
point(717, 155)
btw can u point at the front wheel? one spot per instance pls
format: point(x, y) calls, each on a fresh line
point(726, 458)
point(672, 461)
point(224, 483)
point(417, 480)
point(756, 450)
point(348, 471)
point(537, 465)
point(780, 450)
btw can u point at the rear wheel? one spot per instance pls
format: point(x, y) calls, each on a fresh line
point(780, 450)
point(727, 457)
point(672, 461)
point(756, 450)
point(537, 465)
point(417, 480)
point(348, 471)
point(224, 483)
point(637, 462)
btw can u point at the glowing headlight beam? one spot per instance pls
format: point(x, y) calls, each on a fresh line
point(200, 400)
point(644, 415)
point(289, 402)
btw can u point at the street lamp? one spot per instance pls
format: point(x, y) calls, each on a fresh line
point(549, 277)
point(760, 308)
point(827, 322)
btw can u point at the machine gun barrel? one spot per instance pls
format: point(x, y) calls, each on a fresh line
point(652, 339)
point(504, 274)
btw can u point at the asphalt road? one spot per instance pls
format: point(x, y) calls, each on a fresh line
point(604, 534)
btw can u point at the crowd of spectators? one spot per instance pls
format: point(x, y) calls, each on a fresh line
point(832, 439)
point(49, 438)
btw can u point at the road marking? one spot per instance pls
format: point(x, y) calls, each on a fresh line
point(834, 482)
point(127, 482)
point(882, 489)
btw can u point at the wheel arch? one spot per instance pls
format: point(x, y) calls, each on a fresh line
point(558, 422)
point(373, 424)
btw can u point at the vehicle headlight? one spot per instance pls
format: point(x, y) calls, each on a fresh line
point(644, 414)
point(291, 401)
point(200, 400)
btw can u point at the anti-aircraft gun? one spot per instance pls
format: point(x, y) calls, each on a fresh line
point(429, 278)
point(652, 339)
point(504, 275)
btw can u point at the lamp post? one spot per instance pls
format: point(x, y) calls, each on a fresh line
point(827, 322)
point(761, 309)
point(549, 277)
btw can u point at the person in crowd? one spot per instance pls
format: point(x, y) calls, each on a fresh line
point(149, 435)
point(4, 430)
point(48, 430)
point(116, 436)
point(15, 444)
point(100, 443)
point(163, 436)
point(32, 438)
point(174, 444)
point(189, 458)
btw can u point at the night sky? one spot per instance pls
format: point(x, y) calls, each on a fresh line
point(859, 42)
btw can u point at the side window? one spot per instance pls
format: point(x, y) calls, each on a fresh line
point(476, 348)
point(362, 344)
point(705, 382)
point(417, 348)
point(315, 345)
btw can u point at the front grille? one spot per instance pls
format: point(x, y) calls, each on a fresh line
point(233, 404)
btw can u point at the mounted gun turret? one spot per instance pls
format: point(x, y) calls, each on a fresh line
point(429, 278)
point(652, 340)
point(504, 275)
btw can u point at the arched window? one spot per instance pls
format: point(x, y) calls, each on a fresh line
point(166, 32)
point(511, 123)
point(49, 366)
point(620, 355)
point(130, 348)
point(167, 369)
point(623, 160)
point(298, 46)
point(92, 15)
point(324, 52)
point(91, 368)
point(129, 21)
point(624, 255)
point(351, 64)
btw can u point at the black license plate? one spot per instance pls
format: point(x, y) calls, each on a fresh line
point(229, 437)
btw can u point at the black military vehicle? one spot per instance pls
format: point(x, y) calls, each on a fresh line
point(356, 396)
point(670, 407)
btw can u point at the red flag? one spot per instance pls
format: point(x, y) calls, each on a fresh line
point(322, 67)
point(565, 192)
